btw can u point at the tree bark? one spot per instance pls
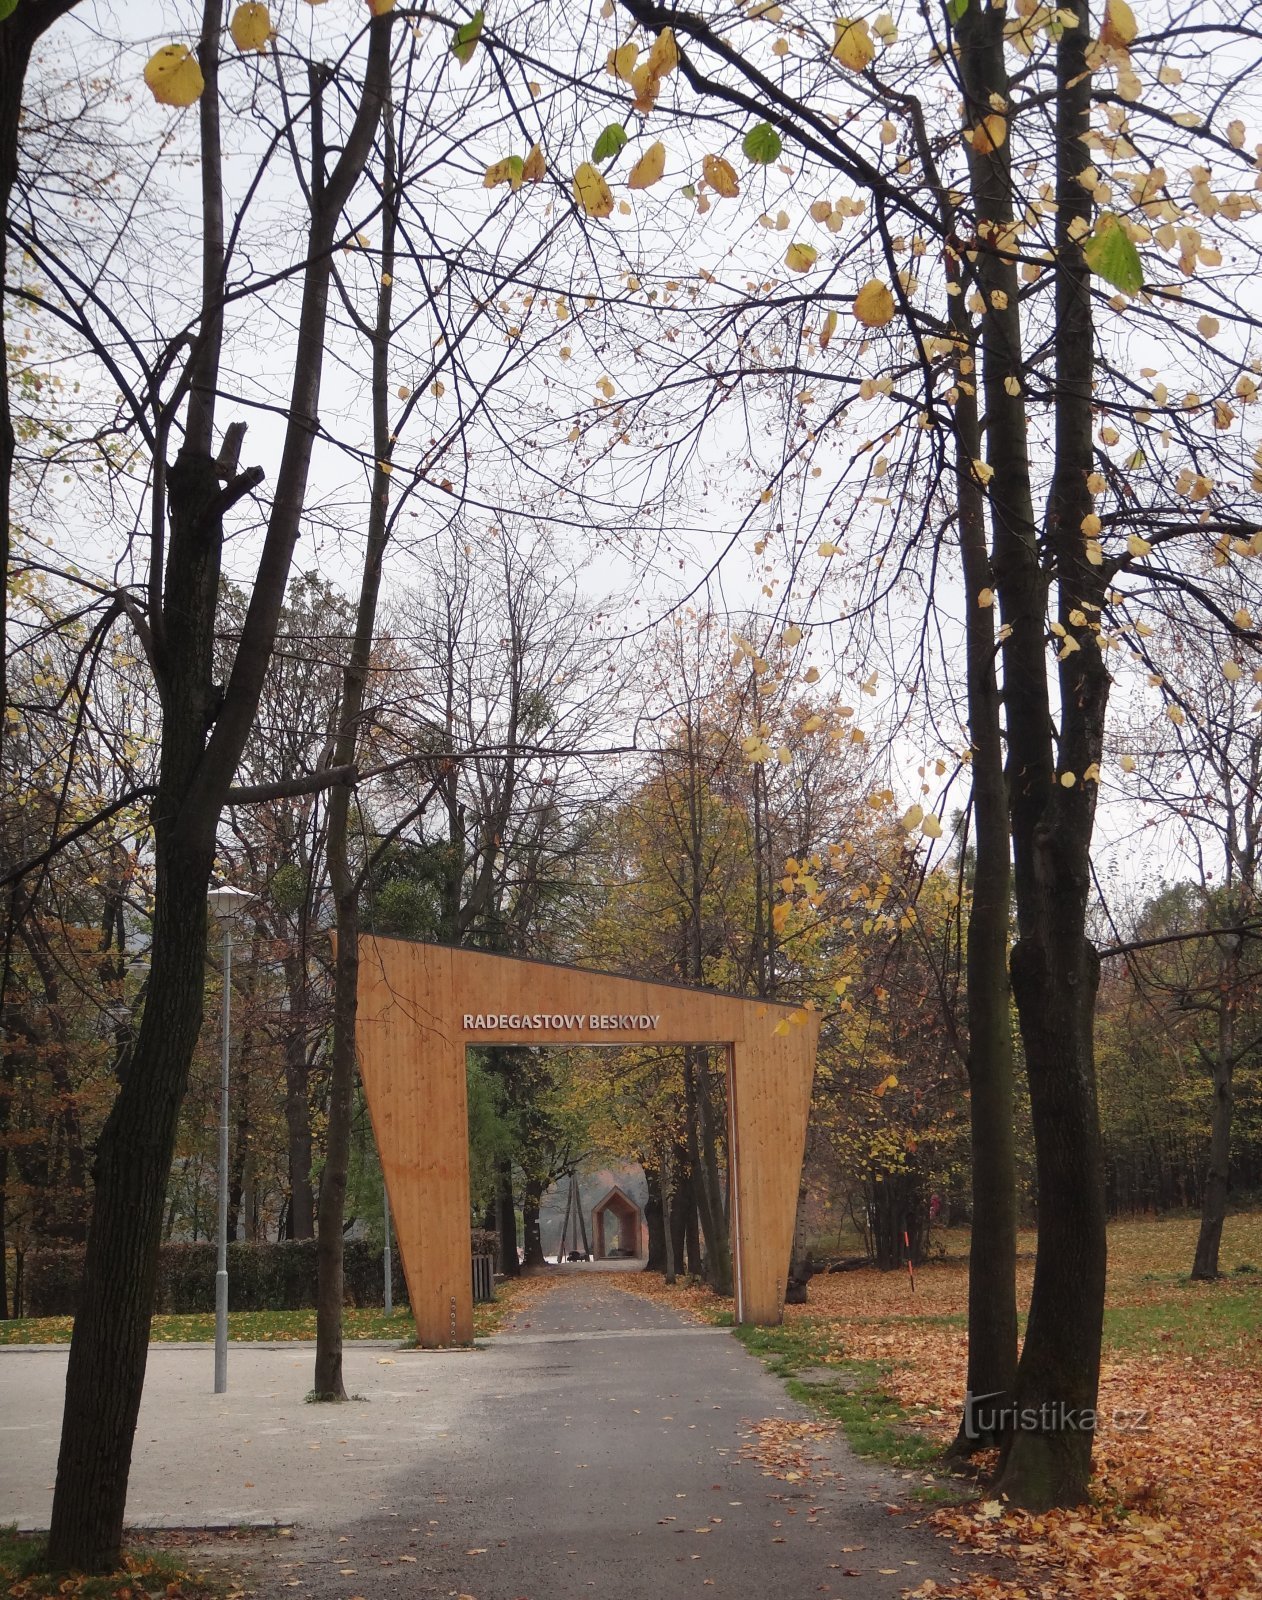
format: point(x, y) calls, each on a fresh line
point(1055, 969)
point(532, 1193)
point(346, 884)
point(1218, 1169)
point(8, 1071)
point(655, 1222)
point(703, 1159)
point(301, 1216)
point(106, 1370)
point(692, 1237)
point(992, 1293)
point(506, 1219)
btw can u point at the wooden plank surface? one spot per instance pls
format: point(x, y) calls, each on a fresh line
point(420, 1008)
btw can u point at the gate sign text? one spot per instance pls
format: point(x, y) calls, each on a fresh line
point(560, 1022)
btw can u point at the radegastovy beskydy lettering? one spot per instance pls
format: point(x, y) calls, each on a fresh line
point(560, 1021)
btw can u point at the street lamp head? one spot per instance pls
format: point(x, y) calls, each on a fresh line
point(226, 901)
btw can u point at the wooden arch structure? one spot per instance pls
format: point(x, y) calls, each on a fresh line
point(421, 1006)
point(628, 1219)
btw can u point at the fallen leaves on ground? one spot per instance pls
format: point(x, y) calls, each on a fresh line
point(1177, 1499)
point(689, 1298)
point(143, 1576)
point(780, 1446)
point(1176, 1505)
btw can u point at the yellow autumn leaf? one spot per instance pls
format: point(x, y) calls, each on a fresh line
point(986, 598)
point(173, 76)
point(721, 176)
point(1119, 28)
point(829, 328)
point(251, 27)
point(988, 135)
point(1232, 671)
point(379, 7)
point(621, 63)
point(647, 85)
point(1067, 780)
point(1175, 714)
point(592, 192)
point(800, 257)
point(852, 44)
point(649, 168)
point(534, 169)
point(510, 170)
point(664, 56)
point(874, 304)
point(931, 828)
point(1128, 763)
point(1136, 546)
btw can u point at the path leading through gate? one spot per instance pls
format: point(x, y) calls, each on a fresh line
point(599, 1445)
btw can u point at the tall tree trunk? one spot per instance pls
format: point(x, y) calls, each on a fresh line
point(506, 1218)
point(19, 32)
point(8, 1070)
point(301, 1223)
point(655, 1221)
point(301, 1217)
point(532, 1193)
point(203, 733)
point(331, 1210)
point(992, 1290)
point(669, 1170)
point(1221, 1065)
point(703, 1159)
point(241, 1144)
point(346, 884)
point(692, 1237)
point(106, 1370)
point(1055, 969)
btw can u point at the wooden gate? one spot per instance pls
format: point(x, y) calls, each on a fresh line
point(421, 1006)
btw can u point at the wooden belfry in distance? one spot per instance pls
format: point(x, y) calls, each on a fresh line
point(421, 1006)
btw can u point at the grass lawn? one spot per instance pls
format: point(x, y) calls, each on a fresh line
point(369, 1322)
point(1177, 1501)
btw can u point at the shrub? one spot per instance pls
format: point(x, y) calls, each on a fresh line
point(261, 1277)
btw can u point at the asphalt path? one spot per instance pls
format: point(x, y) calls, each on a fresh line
point(599, 1443)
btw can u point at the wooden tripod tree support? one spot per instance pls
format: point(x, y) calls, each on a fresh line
point(420, 1008)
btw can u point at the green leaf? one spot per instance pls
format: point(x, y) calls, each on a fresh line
point(762, 144)
point(465, 39)
point(609, 143)
point(7, 8)
point(1111, 255)
point(957, 10)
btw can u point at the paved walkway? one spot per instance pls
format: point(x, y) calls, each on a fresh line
point(598, 1444)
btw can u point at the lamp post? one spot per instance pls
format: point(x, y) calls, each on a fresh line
point(224, 904)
